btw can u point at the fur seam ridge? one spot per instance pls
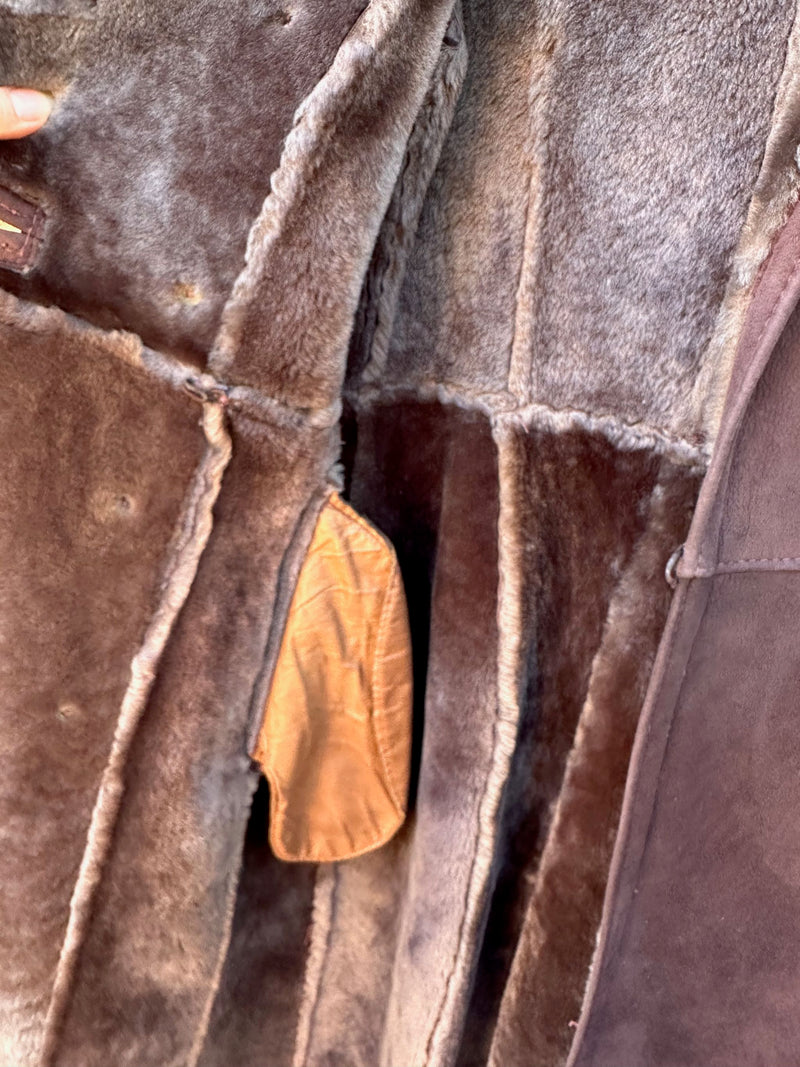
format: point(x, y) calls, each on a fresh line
point(509, 616)
point(422, 155)
point(503, 408)
point(316, 122)
point(321, 926)
point(188, 546)
point(775, 192)
point(129, 348)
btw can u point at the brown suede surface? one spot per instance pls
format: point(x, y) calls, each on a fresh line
point(703, 968)
point(697, 963)
point(745, 535)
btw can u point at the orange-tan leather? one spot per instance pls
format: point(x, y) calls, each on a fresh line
point(335, 741)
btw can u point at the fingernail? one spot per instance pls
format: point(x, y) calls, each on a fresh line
point(30, 105)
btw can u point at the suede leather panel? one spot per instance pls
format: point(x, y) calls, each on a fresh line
point(88, 515)
point(159, 927)
point(426, 475)
point(715, 539)
point(21, 226)
point(698, 964)
point(157, 158)
point(769, 430)
point(702, 966)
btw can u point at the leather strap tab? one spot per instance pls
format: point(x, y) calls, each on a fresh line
point(21, 231)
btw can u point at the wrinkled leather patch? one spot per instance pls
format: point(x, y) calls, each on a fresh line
point(21, 231)
point(335, 741)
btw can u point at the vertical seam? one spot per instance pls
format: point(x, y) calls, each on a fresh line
point(520, 362)
point(509, 638)
point(323, 911)
point(193, 534)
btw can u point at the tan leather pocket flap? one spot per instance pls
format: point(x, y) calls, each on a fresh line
point(336, 736)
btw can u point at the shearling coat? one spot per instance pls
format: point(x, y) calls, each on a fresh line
point(519, 278)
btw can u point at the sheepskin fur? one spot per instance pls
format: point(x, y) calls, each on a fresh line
point(87, 525)
point(154, 872)
point(529, 357)
point(169, 121)
point(577, 241)
point(570, 301)
point(432, 486)
point(574, 832)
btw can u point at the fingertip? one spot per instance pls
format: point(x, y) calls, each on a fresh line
point(31, 106)
point(22, 111)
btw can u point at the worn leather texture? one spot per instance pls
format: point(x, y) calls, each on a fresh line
point(335, 742)
point(21, 231)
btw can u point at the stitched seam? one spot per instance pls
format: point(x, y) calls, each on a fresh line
point(344, 509)
point(388, 603)
point(12, 211)
point(759, 559)
point(23, 252)
point(498, 405)
point(767, 323)
point(742, 566)
point(618, 923)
